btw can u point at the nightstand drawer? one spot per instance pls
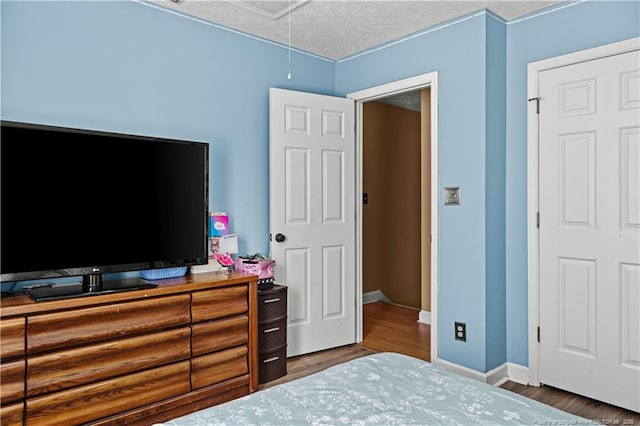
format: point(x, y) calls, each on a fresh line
point(272, 334)
point(272, 303)
point(273, 364)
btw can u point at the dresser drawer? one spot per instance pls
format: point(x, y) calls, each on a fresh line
point(272, 303)
point(11, 415)
point(219, 303)
point(88, 364)
point(219, 366)
point(12, 381)
point(90, 325)
point(12, 332)
point(84, 404)
point(218, 335)
point(272, 334)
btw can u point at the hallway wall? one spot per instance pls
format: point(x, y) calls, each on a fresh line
point(391, 219)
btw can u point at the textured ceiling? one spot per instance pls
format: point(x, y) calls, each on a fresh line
point(407, 100)
point(336, 29)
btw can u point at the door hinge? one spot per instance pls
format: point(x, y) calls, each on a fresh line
point(538, 333)
point(270, 237)
point(538, 220)
point(537, 99)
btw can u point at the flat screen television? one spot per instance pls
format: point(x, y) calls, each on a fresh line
point(83, 203)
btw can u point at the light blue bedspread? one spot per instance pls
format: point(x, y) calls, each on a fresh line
point(382, 389)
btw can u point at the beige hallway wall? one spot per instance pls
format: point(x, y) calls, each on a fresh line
point(391, 219)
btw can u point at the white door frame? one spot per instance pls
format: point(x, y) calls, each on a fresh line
point(533, 69)
point(418, 82)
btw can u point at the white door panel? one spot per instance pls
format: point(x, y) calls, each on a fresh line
point(589, 234)
point(312, 203)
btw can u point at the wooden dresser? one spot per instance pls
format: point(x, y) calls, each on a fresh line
point(136, 357)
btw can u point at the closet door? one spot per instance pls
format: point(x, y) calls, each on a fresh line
point(589, 163)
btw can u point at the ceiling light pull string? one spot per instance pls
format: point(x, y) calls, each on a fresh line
point(289, 74)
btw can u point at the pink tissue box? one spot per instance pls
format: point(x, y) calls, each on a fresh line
point(263, 268)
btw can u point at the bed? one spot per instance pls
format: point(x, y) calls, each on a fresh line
point(381, 389)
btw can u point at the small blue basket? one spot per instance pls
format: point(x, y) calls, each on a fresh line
point(159, 274)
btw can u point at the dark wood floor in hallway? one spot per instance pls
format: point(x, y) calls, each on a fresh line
point(394, 328)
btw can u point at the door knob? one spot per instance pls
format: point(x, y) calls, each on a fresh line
point(280, 237)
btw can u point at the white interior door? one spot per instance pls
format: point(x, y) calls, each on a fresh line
point(589, 162)
point(312, 216)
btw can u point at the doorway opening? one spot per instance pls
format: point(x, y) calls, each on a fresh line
point(391, 211)
point(396, 150)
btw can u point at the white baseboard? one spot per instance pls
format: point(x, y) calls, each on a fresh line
point(518, 373)
point(374, 296)
point(465, 371)
point(496, 377)
point(424, 317)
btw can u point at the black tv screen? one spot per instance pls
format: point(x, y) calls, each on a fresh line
point(80, 202)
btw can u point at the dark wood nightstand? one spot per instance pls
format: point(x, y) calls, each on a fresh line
point(272, 333)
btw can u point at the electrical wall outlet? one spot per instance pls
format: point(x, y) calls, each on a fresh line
point(461, 331)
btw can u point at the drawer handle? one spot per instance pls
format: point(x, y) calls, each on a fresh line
point(272, 300)
point(273, 358)
point(271, 330)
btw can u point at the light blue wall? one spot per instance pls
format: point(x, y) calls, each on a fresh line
point(457, 52)
point(125, 67)
point(496, 98)
point(483, 117)
point(581, 26)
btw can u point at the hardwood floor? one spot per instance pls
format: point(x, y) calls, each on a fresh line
point(393, 328)
point(577, 404)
